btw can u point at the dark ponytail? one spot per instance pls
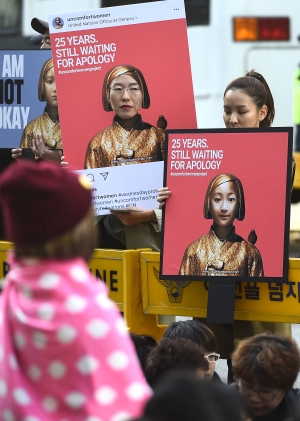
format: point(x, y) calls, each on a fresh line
point(255, 86)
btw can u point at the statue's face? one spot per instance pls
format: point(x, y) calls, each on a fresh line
point(224, 204)
point(49, 88)
point(240, 111)
point(125, 96)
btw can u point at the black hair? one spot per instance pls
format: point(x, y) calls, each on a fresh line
point(171, 355)
point(195, 331)
point(255, 86)
point(143, 345)
point(182, 396)
point(268, 359)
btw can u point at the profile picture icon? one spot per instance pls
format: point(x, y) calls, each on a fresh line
point(58, 23)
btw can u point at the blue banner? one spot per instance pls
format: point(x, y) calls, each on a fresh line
point(19, 103)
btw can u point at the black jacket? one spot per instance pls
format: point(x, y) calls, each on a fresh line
point(287, 410)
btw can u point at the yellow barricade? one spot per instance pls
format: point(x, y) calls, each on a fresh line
point(108, 266)
point(5, 246)
point(120, 270)
point(254, 301)
point(296, 184)
point(132, 278)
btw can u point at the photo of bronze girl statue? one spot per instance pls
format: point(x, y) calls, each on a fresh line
point(222, 252)
point(43, 134)
point(129, 140)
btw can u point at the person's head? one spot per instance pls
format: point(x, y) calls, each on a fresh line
point(248, 102)
point(202, 336)
point(47, 84)
point(42, 28)
point(183, 396)
point(174, 354)
point(143, 345)
point(125, 91)
point(266, 367)
point(47, 211)
point(45, 41)
point(224, 200)
point(57, 21)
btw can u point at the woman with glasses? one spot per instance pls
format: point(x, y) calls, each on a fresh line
point(172, 355)
point(199, 333)
point(266, 367)
point(129, 140)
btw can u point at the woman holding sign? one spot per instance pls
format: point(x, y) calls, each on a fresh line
point(129, 140)
point(248, 103)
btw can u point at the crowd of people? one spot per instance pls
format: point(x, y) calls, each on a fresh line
point(65, 351)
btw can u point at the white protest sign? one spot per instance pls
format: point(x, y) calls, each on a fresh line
point(125, 186)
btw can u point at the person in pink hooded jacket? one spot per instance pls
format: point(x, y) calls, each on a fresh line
point(65, 353)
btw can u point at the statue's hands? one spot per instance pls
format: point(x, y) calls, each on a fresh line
point(38, 146)
point(40, 150)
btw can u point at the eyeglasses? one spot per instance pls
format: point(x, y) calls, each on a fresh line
point(132, 90)
point(265, 395)
point(212, 358)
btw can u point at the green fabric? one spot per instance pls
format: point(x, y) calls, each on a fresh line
point(142, 235)
point(296, 97)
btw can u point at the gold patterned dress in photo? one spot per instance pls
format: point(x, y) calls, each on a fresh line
point(49, 129)
point(209, 256)
point(116, 146)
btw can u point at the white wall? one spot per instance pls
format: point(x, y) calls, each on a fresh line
point(216, 59)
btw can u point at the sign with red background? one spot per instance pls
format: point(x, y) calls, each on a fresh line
point(150, 36)
point(261, 159)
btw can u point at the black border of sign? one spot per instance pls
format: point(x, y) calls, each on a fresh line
point(231, 279)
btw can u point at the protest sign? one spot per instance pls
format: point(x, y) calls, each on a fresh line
point(19, 103)
point(87, 47)
point(228, 213)
point(136, 191)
